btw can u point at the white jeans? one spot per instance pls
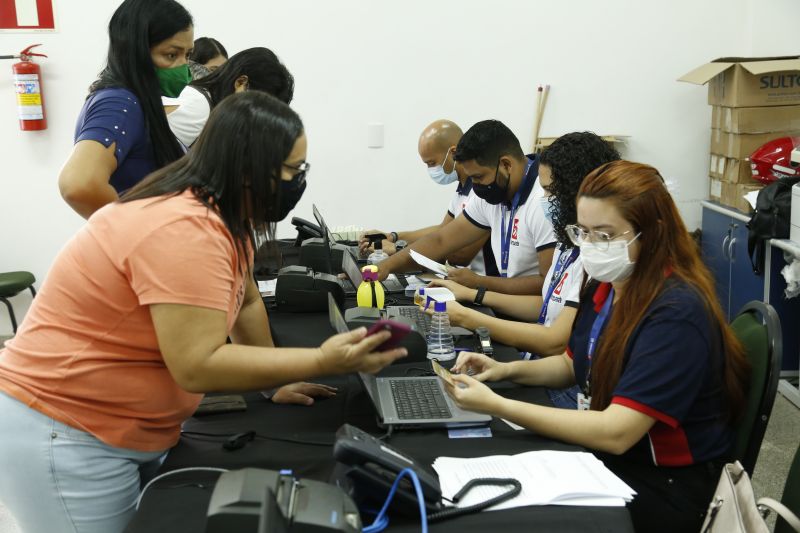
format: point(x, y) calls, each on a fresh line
point(55, 478)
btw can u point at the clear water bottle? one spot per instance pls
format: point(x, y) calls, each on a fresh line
point(439, 337)
point(378, 255)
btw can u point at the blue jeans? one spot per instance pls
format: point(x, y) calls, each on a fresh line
point(56, 478)
point(563, 398)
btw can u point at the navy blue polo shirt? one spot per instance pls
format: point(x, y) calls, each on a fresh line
point(672, 371)
point(115, 115)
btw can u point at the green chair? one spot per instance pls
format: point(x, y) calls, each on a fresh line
point(758, 328)
point(11, 284)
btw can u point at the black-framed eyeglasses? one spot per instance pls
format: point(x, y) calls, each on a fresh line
point(302, 170)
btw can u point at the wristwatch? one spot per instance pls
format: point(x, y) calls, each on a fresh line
point(393, 235)
point(399, 245)
point(479, 296)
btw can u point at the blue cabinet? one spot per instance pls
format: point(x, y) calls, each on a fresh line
point(724, 249)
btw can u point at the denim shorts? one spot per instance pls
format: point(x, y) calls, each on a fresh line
point(56, 478)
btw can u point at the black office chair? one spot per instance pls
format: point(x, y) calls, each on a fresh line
point(759, 330)
point(11, 284)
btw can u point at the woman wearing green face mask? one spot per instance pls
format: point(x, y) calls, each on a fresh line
point(122, 132)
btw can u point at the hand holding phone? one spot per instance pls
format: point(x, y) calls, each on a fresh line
point(397, 329)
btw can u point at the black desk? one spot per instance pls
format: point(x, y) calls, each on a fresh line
point(178, 503)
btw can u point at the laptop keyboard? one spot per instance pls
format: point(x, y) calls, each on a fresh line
point(416, 315)
point(392, 285)
point(419, 399)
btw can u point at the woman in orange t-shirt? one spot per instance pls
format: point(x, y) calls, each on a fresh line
point(130, 326)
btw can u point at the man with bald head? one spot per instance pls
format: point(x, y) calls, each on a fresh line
point(437, 146)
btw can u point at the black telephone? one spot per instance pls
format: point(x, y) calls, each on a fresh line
point(305, 230)
point(371, 467)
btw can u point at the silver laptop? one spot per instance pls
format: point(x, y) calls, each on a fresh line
point(328, 236)
point(353, 273)
point(410, 402)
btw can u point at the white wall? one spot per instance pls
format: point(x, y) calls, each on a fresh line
point(612, 67)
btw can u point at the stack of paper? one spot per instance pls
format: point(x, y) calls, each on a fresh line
point(547, 477)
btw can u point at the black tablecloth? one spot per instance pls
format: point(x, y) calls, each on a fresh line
point(301, 438)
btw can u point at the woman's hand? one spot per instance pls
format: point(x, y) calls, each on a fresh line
point(462, 293)
point(472, 395)
point(481, 367)
point(355, 352)
point(455, 311)
point(302, 393)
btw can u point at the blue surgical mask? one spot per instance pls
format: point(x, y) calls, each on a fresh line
point(440, 176)
point(547, 207)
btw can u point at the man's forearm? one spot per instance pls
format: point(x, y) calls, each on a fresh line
point(530, 285)
point(415, 235)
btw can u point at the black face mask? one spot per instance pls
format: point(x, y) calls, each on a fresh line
point(291, 192)
point(492, 193)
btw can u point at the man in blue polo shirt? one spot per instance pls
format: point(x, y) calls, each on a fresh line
point(506, 203)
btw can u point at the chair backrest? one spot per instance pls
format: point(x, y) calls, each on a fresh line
point(791, 494)
point(758, 328)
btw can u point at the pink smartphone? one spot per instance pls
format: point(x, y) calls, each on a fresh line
point(397, 329)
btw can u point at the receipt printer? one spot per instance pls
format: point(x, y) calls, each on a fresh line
point(266, 501)
point(320, 256)
point(300, 289)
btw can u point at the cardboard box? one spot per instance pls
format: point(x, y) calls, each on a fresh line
point(731, 170)
point(741, 145)
point(755, 119)
point(749, 81)
point(731, 194)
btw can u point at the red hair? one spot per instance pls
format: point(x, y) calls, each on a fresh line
point(639, 194)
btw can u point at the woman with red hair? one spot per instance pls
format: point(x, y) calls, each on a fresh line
point(661, 373)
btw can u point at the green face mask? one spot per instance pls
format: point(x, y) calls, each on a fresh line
point(173, 80)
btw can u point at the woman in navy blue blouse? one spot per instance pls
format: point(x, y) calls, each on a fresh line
point(122, 132)
point(662, 375)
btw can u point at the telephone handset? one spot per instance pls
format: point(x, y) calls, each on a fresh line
point(374, 465)
point(305, 230)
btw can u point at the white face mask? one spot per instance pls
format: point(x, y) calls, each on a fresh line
point(609, 265)
point(440, 176)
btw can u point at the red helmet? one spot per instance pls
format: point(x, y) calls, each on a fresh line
point(774, 160)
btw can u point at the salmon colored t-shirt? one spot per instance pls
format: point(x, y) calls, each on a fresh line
point(87, 353)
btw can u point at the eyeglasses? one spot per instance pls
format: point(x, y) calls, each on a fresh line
point(600, 239)
point(302, 169)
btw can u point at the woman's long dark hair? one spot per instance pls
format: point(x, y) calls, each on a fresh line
point(639, 194)
point(570, 158)
point(235, 166)
point(264, 72)
point(206, 49)
point(135, 27)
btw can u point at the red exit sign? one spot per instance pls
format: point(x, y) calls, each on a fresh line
point(26, 15)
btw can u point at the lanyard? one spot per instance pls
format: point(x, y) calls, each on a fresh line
point(564, 261)
point(594, 336)
point(505, 233)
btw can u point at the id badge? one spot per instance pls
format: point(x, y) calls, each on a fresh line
point(584, 402)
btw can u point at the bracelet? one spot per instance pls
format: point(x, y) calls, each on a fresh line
point(393, 234)
point(479, 296)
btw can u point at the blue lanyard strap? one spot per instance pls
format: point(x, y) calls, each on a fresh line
point(594, 337)
point(506, 232)
point(564, 262)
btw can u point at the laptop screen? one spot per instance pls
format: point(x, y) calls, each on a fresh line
point(326, 232)
point(338, 323)
point(351, 269)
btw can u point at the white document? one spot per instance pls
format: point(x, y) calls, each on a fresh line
point(267, 287)
point(547, 477)
point(437, 268)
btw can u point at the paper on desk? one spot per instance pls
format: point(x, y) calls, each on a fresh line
point(547, 477)
point(437, 268)
point(267, 287)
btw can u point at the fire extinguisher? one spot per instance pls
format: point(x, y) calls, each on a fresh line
point(28, 86)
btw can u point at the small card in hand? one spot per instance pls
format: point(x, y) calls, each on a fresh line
point(211, 405)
